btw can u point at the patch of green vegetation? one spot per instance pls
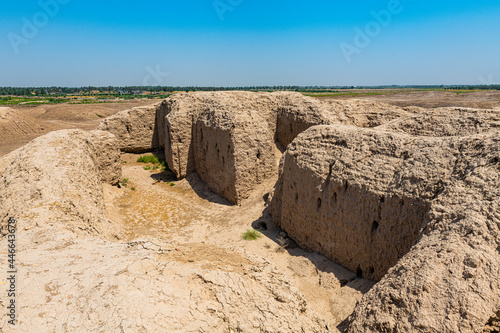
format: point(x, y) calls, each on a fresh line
point(125, 182)
point(172, 184)
point(147, 167)
point(156, 162)
point(251, 234)
point(164, 166)
point(132, 188)
point(149, 159)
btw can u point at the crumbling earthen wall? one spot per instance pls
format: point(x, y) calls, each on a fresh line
point(445, 122)
point(448, 282)
point(343, 186)
point(179, 113)
point(249, 123)
point(296, 114)
point(57, 178)
point(234, 151)
point(419, 213)
point(134, 129)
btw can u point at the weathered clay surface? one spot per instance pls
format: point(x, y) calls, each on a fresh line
point(70, 284)
point(296, 115)
point(446, 122)
point(299, 114)
point(134, 129)
point(247, 123)
point(424, 210)
point(180, 113)
point(56, 179)
point(234, 151)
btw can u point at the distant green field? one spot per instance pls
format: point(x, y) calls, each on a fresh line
point(97, 99)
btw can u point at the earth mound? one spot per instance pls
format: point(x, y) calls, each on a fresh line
point(56, 180)
point(446, 122)
point(233, 151)
point(134, 129)
point(417, 213)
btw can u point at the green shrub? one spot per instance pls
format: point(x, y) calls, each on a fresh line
point(125, 182)
point(148, 159)
point(251, 234)
point(147, 167)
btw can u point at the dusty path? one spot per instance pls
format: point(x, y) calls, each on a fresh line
point(188, 213)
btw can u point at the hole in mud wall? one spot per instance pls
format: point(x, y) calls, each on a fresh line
point(258, 154)
point(359, 272)
point(357, 228)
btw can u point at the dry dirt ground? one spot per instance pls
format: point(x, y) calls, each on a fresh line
point(20, 124)
point(154, 204)
point(434, 99)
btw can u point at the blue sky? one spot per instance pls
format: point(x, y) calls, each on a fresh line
point(246, 43)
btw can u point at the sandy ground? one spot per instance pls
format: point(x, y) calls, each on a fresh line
point(21, 124)
point(154, 204)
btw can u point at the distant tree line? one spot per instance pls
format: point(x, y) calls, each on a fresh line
point(128, 90)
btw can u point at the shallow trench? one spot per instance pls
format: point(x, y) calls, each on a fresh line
point(154, 204)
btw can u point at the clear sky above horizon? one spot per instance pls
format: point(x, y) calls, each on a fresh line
point(249, 43)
